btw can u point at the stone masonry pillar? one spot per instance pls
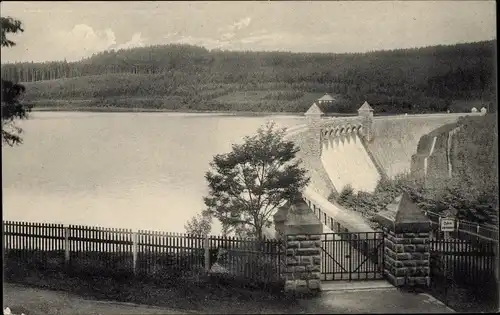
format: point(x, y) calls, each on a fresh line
point(366, 114)
point(313, 116)
point(303, 250)
point(279, 219)
point(407, 251)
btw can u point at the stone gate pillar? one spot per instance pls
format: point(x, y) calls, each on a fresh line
point(407, 251)
point(303, 234)
point(279, 219)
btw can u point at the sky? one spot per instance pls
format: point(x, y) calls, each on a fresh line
point(75, 30)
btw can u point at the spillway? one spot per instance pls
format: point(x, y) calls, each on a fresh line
point(347, 163)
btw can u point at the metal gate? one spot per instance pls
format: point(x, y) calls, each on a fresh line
point(352, 256)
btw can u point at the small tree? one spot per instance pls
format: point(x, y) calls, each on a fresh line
point(248, 184)
point(346, 194)
point(200, 224)
point(11, 107)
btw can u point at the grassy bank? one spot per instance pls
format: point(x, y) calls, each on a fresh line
point(23, 299)
point(172, 284)
point(203, 295)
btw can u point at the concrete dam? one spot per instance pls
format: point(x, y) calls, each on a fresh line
point(359, 151)
point(347, 162)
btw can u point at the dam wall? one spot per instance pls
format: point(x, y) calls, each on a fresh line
point(395, 139)
point(320, 186)
point(307, 140)
point(433, 157)
point(360, 150)
point(347, 162)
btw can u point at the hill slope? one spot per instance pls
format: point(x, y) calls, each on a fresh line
point(471, 192)
point(182, 76)
point(473, 154)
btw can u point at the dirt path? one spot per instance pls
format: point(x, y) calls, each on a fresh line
point(32, 301)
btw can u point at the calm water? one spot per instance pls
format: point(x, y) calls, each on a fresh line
point(128, 170)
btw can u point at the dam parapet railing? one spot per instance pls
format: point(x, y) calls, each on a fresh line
point(335, 217)
point(328, 121)
point(436, 115)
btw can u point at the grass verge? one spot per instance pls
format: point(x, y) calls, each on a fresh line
point(182, 292)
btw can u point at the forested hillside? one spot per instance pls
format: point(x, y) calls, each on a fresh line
point(180, 77)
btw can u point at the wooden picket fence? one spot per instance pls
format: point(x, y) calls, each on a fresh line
point(111, 251)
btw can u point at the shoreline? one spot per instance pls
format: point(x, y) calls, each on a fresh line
point(151, 110)
point(92, 109)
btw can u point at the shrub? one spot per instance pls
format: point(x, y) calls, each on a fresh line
point(346, 195)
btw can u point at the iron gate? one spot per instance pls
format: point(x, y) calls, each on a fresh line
point(352, 256)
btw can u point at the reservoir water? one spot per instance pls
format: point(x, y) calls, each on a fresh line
point(124, 170)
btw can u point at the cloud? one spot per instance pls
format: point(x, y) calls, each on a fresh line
point(238, 36)
point(207, 42)
point(241, 23)
point(260, 39)
point(265, 40)
point(236, 26)
point(227, 37)
point(83, 40)
point(136, 41)
point(231, 31)
point(171, 35)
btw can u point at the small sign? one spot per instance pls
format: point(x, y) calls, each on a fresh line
point(447, 225)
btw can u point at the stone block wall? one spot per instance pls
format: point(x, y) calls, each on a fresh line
point(407, 259)
point(309, 143)
point(368, 127)
point(303, 264)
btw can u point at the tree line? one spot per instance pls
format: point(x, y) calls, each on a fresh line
point(422, 79)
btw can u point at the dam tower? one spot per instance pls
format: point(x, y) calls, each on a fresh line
point(313, 117)
point(366, 114)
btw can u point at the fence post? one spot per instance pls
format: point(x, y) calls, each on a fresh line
point(66, 245)
point(303, 234)
point(134, 252)
point(206, 247)
point(6, 246)
point(406, 244)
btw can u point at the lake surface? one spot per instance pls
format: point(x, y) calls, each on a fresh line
point(124, 170)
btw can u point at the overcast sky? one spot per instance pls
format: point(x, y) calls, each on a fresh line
point(73, 30)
